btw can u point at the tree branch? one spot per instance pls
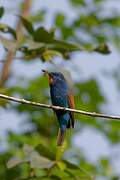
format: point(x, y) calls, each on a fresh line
point(10, 55)
point(92, 114)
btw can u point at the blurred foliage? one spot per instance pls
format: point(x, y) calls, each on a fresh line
point(1, 11)
point(32, 154)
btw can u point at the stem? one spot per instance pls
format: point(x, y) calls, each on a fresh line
point(59, 152)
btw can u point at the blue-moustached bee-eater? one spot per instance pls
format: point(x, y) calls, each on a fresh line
point(61, 95)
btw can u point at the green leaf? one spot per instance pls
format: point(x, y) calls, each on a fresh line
point(31, 53)
point(46, 178)
point(59, 19)
point(56, 171)
point(38, 17)
point(61, 165)
point(77, 170)
point(114, 21)
point(44, 151)
point(40, 172)
point(67, 32)
point(21, 170)
point(38, 161)
point(103, 48)
point(34, 45)
point(6, 29)
point(70, 165)
point(104, 162)
point(77, 3)
point(4, 102)
point(9, 44)
point(27, 25)
point(1, 11)
point(42, 35)
point(49, 54)
point(52, 31)
point(67, 46)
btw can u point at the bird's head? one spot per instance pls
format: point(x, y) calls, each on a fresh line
point(53, 76)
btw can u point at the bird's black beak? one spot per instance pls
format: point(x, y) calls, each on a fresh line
point(46, 72)
point(50, 77)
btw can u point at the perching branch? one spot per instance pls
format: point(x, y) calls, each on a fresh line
point(92, 114)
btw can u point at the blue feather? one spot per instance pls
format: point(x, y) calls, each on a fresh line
point(59, 92)
point(59, 97)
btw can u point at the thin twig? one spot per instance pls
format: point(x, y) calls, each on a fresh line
point(86, 113)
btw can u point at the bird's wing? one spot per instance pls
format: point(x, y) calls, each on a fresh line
point(72, 105)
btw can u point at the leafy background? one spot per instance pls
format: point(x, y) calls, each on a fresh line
point(83, 37)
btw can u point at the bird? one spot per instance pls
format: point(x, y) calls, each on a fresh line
point(61, 95)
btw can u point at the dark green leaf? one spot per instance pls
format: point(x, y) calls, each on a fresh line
point(28, 26)
point(31, 53)
point(56, 171)
point(44, 151)
point(52, 31)
point(6, 29)
point(77, 3)
point(77, 170)
point(42, 35)
point(67, 32)
point(70, 165)
point(59, 20)
point(67, 46)
point(12, 173)
point(114, 21)
point(54, 177)
point(21, 170)
point(103, 48)
point(45, 178)
point(1, 11)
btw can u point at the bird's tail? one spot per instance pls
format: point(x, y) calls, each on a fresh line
point(60, 138)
